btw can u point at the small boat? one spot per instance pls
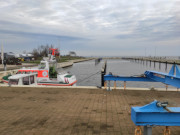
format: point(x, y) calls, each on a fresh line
point(47, 74)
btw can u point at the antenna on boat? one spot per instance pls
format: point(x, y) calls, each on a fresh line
point(59, 50)
point(54, 51)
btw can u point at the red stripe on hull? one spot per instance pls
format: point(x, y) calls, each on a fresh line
point(49, 84)
point(57, 84)
point(5, 81)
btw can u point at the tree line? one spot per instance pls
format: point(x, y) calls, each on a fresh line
point(42, 51)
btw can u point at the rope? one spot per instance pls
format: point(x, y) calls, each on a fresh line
point(89, 77)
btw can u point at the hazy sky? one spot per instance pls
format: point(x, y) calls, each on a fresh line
point(92, 27)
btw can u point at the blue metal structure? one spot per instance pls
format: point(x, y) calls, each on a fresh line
point(155, 114)
point(152, 76)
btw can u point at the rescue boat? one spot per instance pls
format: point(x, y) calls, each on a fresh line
point(47, 74)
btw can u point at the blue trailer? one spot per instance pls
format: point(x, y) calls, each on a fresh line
point(155, 114)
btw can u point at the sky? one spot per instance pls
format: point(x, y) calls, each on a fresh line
point(92, 27)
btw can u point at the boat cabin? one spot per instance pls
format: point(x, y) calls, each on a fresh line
point(46, 69)
point(23, 79)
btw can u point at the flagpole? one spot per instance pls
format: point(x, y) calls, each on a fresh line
point(2, 54)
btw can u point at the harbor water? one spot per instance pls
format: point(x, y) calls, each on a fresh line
point(88, 73)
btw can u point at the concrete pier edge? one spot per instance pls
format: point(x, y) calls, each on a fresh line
point(90, 87)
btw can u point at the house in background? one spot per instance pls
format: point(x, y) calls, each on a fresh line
point(8, 55)
point(26, 57)
point(71, 53)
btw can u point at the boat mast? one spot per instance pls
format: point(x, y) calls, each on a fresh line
point(2, 54)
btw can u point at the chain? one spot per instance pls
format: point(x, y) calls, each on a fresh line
point(167, 131)
point(138, 130)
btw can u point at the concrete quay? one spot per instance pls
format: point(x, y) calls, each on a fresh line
point(91, 87)
point(65, 64)
point(82, 60)
point(71, 62)
point(12, 67)
point(86, 111)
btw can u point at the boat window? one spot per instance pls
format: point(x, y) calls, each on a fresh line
point(14, 81)
point(32, 79)
point(26, 80)
point(42, 66)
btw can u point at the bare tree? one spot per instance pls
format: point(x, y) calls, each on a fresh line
point(35, 53)
point(42, 50)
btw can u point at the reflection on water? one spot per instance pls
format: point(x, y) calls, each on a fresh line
point(84, 70)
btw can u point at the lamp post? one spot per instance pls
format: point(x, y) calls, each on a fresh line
point(2, 54)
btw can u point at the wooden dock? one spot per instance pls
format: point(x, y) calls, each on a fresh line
point(153, 59)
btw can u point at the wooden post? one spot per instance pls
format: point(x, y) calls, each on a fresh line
point(103, 72)
point(105, 85)
point(102, 78)
point(124, 85)
point(115, 85)
point(166, 87)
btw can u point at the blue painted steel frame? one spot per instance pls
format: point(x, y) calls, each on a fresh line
point(153, 115)
point(110, 77)
point(152, 76)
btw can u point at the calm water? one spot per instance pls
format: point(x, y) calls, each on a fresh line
point(86, 72)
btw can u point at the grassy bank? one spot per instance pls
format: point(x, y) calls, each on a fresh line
point(59, 60)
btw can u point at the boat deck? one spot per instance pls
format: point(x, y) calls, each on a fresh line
point(47, 111)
